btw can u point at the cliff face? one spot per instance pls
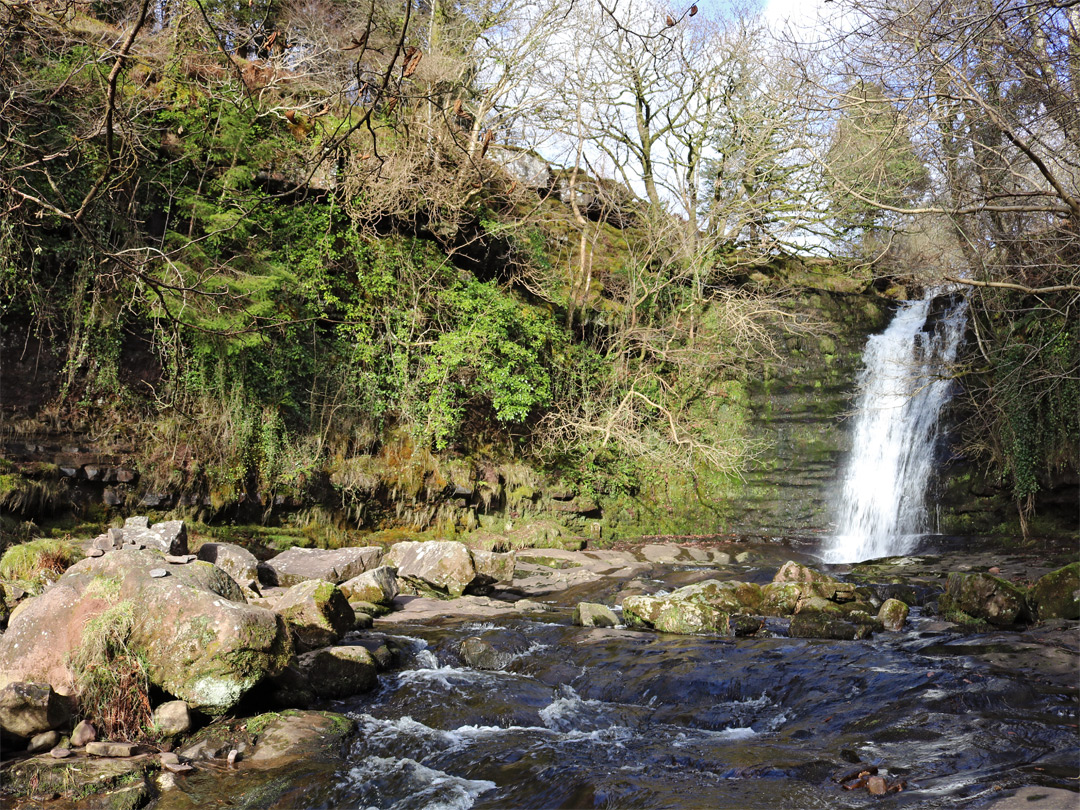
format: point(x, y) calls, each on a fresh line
point(56, 461)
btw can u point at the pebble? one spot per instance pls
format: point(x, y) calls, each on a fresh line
point(876, 785)
point(96, 552)
point(158, 573)
point(60, 753)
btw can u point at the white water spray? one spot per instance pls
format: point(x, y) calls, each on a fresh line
point(904, 385)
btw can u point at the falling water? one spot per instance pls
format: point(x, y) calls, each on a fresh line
point(904, 384)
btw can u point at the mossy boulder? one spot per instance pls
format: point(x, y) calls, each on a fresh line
point(291, 736)
point(317, 613)
point(200, 641)
point(680, 616)
point(893, 614)
point(984, 596)
point(728, 596)
point(815, 583)
point(378, 586)
point(780, 598)
point(589, 614)
point(1057, 594)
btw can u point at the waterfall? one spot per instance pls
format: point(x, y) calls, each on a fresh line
point(904, 383)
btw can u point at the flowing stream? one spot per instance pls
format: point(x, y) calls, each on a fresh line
point(904, 385)
point(576, 717)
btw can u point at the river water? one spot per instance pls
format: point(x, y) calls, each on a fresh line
point(614, 718)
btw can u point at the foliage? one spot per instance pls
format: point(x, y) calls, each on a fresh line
point(112, 679)
point(38, 562)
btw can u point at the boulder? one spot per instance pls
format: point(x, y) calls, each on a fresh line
point(293, 736)
point(378, 586)
point(199, 639)
point(317, 613)
point(727, 596)
point(1057, 594)
point(172, 718)
point(443, 569)
point(29, 709)
point(820, 625)
point(675, 616)
point(169, 537)
point(588, 614)
point(815, 583)
point(236, 561)
point(479, 654)
point(780, 598)
point(492, 567)
point(983, 596)
point(893, 614)
point(339, 672)
point(329, 565)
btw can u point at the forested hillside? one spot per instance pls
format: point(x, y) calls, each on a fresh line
point(382, 255)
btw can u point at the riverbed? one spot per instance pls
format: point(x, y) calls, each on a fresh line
point(569, 716)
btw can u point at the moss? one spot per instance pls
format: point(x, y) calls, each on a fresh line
point(39, 560)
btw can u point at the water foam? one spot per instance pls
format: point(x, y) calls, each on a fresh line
point(424, 788)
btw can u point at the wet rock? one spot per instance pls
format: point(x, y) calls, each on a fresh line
point(588, 614)
point(1057, 595)
point(43, 742)
point(780, 598)
point(300, 735)
point(443, 569)
point(317, 613)
point(111, 749)
point(530, 606)
point(83, 733)
point(200, 641)
point(819, 604)
point(983, 596)
point(172, 762)
point(298, 565)
point(378, 586)
point(819, 625)
point(675, 616)
point(876, 785)
point(172, 718)
point(1037, 798)
point(234, 560)
point(205, 749)
point(893, 614)
point(380, 649)
point(815, 583)
point(339, 672)
point(479, 654)
point(105, 782)
point(726, 596)
point(28, 709)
